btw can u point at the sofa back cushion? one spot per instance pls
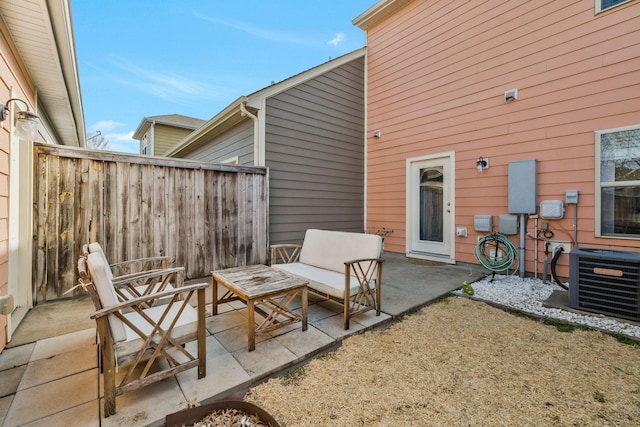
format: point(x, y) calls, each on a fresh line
point(331, 249)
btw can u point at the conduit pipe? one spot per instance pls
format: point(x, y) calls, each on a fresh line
point(523, 226)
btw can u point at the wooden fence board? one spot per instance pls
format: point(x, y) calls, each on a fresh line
point(203, 216)
point(159, 243)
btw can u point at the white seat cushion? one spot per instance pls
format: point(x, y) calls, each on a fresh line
point(325, 281)
point(186, 324)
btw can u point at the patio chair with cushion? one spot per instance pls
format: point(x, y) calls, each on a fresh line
point(133, 334)
point(130, 277)
point(132, 266)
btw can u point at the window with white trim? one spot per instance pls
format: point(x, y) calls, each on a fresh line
point(144, 144)
point(602, 5)
point(618, 182)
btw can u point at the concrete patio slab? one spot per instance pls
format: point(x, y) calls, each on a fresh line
point(268, 357)
point(333, 326)
point(59, 317)
point(49, 347)
point(408, 286)
point(147, 405)
point(11, 379)
point(58, 366)
point(12, 357)
point(5, 403)
point(305, 343)
point(224, 373)
point(41, 401)
point(85, 415)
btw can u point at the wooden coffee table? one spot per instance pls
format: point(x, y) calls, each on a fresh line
point(265, 290)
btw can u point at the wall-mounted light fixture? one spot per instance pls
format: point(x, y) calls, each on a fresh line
point(26, 125)
point(482, 163)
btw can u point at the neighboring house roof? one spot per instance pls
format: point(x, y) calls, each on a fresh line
point(378, 13)
point(252, 104)
point(43, 36)
point(175, 120)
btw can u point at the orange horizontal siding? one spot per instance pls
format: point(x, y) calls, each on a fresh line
point(437, 72)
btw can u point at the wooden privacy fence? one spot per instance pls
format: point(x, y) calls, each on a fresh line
point(203, 216)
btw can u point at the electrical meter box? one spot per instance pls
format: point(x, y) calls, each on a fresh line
point(522, 187)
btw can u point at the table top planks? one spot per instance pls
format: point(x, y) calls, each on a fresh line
point(255, 281)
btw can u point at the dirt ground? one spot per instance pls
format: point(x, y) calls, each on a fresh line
point(461, 362)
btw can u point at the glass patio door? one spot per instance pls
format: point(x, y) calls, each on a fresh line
point(430, 214)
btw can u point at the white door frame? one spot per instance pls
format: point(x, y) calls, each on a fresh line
point(447, 255)
point(20, 230)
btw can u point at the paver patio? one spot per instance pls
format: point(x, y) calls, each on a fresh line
point(54, 381)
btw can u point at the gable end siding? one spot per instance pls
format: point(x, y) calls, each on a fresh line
point(166, 137)
point(315, 153)
point(238, 141)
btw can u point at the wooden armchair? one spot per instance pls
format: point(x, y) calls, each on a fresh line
point(130, 276)
point(134, 333)
point(133, 266)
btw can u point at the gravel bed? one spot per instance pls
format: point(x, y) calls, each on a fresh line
point(528, 295)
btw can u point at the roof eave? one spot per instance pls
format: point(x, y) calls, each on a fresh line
point(207, 130)
point(62, 22)
point(378, 13)
point(42, 33)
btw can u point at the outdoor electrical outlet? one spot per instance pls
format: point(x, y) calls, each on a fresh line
point(544, 226)
point(6, 304)
point(553, 244)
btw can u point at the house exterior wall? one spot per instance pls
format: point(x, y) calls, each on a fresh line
point(166, 137)
point(437, 73)
point(315, 154)
point(13, 83)
point(237, 141)
point(5, 149)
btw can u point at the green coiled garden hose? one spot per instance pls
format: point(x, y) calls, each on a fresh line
point(495, 252)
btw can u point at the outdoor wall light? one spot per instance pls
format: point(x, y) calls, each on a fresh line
point(26, 125)
point(482, 164)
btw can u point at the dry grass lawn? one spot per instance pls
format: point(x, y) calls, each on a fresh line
point(461, 362)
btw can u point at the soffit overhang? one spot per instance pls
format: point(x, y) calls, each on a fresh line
point(42, 32)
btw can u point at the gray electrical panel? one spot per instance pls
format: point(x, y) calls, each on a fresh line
point(522, 187)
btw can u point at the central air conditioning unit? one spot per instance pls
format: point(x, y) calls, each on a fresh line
point(605, 282)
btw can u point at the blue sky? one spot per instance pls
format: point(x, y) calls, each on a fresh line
point(147, 58)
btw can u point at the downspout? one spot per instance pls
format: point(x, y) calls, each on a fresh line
point(257, 160)
point(151, 145)
point(366, 136)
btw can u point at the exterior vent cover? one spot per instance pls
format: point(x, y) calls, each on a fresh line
point(605, 282)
